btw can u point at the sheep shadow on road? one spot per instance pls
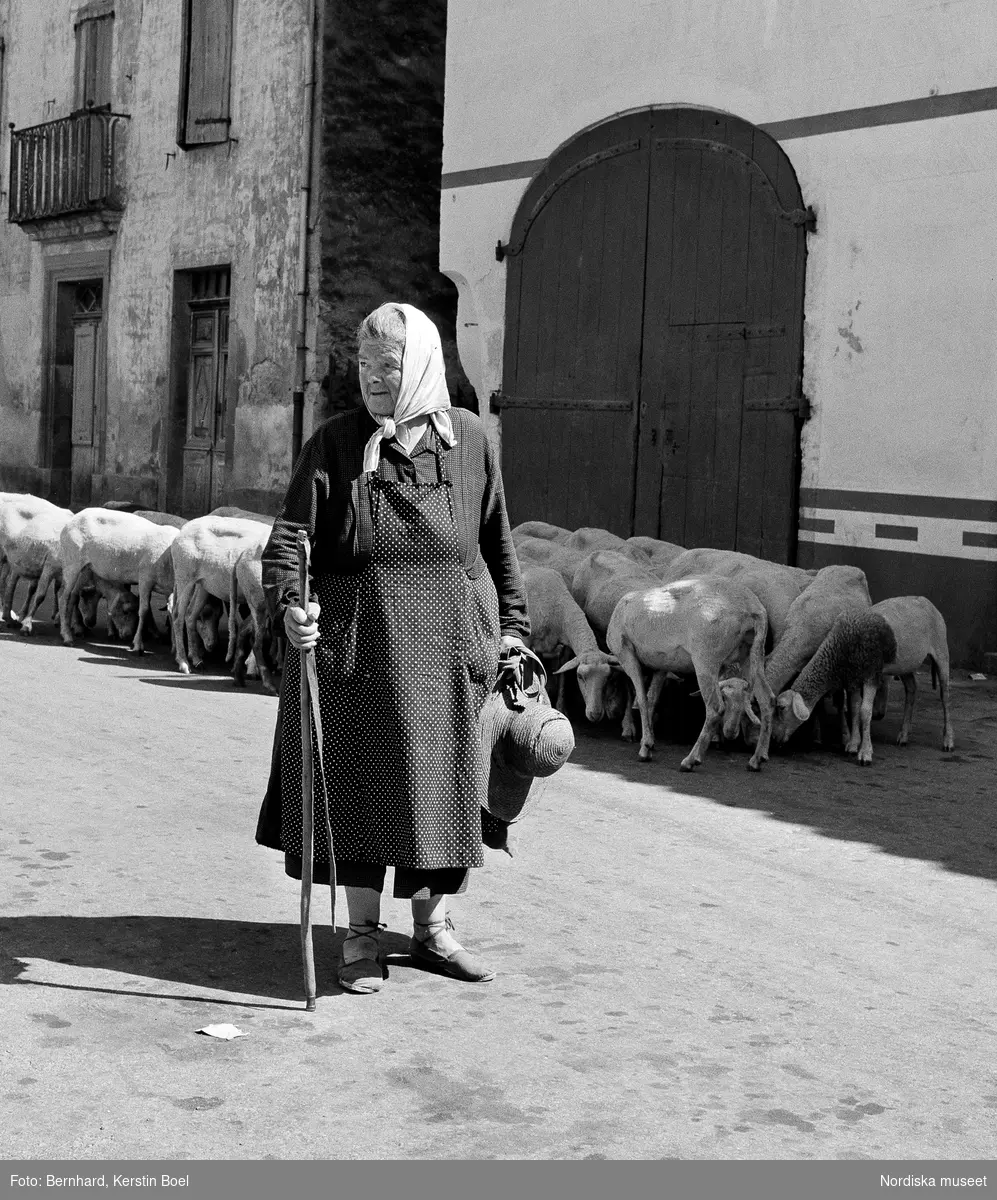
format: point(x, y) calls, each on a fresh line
point(915, 801)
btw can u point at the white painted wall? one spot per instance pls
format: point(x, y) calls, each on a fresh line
point(901, 299)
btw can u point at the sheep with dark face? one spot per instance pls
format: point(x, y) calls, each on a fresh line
point(851, 659)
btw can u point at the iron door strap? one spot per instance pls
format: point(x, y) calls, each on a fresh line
point(587, 404)
point(799, 405)
point(628, 147)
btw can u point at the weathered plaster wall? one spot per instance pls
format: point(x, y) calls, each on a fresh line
point(382, 150)
point(235, 203)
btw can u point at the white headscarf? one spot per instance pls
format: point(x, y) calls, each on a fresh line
point(423, 391)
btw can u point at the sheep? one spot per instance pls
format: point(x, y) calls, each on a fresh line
point(601, 579)
point(539, 552)
point(122, 606)
point(810, 617)
point(585, 540)
point(698, 626)
point(541, 529)
point(919, 629)
point(204, 554)
point(16, 509)
point(557, 622)
point(651, 551)
point(161, 518)
point(247, 585)
point(851, 658)
point(29, 535)
point(121, 548)
point(241, 514)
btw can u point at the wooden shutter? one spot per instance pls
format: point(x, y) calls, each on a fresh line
point(208, 61)
point(84, 381)
point(93, 61)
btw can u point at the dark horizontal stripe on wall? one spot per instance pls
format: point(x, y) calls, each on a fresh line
point(816, 525)
point(971, 538)
point(497, 174)
point(924, 108)
point(904, 533)
point(899, 112)
point(901, 505)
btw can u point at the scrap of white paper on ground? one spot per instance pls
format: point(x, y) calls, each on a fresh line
point(228, 1032)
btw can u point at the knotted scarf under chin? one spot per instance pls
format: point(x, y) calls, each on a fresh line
point(423, 391)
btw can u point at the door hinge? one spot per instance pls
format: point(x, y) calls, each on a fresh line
point(798, 405)
point(806, 217)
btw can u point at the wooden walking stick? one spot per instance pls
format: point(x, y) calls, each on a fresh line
point(310, 715)
point(307, 790)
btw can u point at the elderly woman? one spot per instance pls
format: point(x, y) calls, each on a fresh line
point(416, 588)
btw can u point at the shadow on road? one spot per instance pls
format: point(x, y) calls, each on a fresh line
point(244, 957)
point(914, 801)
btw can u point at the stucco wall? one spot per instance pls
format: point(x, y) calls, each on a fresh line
point(900, 279)
point(234, 203)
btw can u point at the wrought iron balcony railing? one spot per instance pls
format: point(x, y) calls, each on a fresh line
point(66, 166)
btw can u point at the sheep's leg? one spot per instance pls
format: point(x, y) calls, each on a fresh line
point(940, 662)
point(842, 700)
point(181, 600)
point(629, 731)
point(561, 685)
point(240, 656)
point(6, 616)
point(882, 699)
point(910, 695)
point(658, 680)
point(866, 704)
point(144, 610)
point(766, 711)
point(41, 591)
point(855, 736)
point(710, 691)
point(195, 646)
point(259, 629)
point(69, 578)
point(631, 664)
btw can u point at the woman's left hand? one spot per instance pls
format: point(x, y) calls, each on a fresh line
point(508, 641)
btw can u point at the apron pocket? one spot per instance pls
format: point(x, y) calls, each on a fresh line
point(336, 652)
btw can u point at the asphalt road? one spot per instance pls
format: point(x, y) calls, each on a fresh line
point(796, 964)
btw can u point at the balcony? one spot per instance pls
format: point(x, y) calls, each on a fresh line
point(69, 167)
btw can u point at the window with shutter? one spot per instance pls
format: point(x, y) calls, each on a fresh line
point(206, 75)
point(93, 61)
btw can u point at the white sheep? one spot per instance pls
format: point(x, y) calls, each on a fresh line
point(17, 509)
point(653, 551)
point(121, 548)
point(540, 529)
point(851, 658)
point(541, 552)
point(247, 585)
point(602, 578)
point(557, 623)
point(693, 626)
point(204, 554)
point(919, 629)
point(587, 539)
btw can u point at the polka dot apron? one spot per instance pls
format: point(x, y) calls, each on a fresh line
point(407, 655)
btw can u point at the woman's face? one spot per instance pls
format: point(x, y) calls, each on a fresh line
point(380, 375)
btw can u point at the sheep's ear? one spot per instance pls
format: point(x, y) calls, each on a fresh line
point(783, 700)
point(568, 666)
point(800, 710)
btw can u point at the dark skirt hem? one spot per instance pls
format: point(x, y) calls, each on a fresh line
point(410, 883)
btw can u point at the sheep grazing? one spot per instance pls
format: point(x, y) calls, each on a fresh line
point(585, 540)
point(832, 591)
point(693, 626)
point(120, 548)
point(247, 586)
point(29, 536)
point(204, 553)
point(558, 623)
point(542, 552)
point(919, 629)
point(541, 529)
point(851, 658)
point(601, 579)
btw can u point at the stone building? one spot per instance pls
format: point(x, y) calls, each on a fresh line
point(728, 275)
point(199, 214)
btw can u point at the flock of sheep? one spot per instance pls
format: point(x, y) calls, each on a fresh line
point(199, 567)
point(752, 632)
point(625, 616)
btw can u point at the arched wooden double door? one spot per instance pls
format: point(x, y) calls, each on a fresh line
point(653, 341)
